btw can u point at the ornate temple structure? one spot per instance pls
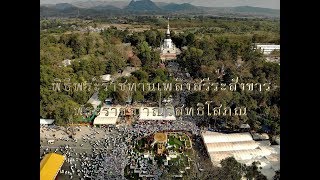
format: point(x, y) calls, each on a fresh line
point(161, 140)
point(168, 51)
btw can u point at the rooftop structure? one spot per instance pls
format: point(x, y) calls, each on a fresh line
point(156, 113)
point(66, 62)
point(50, 166)
point(161, 140)
point(243, 148)
point(106, 78)
point(267, 48)
point(160, 137)
point(46, 121)
point(107, 115)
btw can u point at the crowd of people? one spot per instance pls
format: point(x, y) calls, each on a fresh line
point(101, 158)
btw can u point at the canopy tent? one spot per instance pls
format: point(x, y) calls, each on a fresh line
point(244, 149)
point(107, 115)
point(50, 166)
point(106, 77)
point(46, 121)
point(105, 120)
point(231, 146)
point(156, 113)
point(214, 137)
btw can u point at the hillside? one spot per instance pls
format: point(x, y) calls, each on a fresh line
point(142, 5)
point(106, 7)
point(148, 7)
point(179, 7)
point(256, 10)
point(93, 4)
point(64, 6)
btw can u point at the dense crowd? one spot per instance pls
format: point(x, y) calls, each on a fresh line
point(106, 158)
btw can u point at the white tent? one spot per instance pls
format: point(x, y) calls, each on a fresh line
point(241, 146)
point(156, 113)
point(46, 121)
point(106, 77)
point(214, 137)
point(105, 120)
point(66, 62)
point(231, 146)
point(267, 48)
point(107, 115)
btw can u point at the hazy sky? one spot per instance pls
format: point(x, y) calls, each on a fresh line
point(274, 4)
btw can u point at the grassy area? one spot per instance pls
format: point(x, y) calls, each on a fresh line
point(176, 141)
point(173, 140)
point(186, 139)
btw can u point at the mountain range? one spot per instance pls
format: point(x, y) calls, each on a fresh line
point(103, 8)
point(273, 4)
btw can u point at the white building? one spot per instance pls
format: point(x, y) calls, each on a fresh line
point(106, 78)
point(46, 121)
point(168, 51)
point(66, 62)
point(267, 48)
point(156, 113)
point(244, 149)
point(107, 116)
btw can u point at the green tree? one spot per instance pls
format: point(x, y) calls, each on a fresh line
point(134, 61)
point(190, 39)
point(191, 59)
point(66, 112)
point(77, 43)
point(253, 173)
point(229, 75)
point(141, 75)
point(144, 53)
point(231, 169)
point(137, 96)
point(179, 40)
point(137, 38)
point(81, 97)
point(195, 98)
point(151, 38)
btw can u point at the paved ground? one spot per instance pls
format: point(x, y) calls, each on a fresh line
point(90, 141)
